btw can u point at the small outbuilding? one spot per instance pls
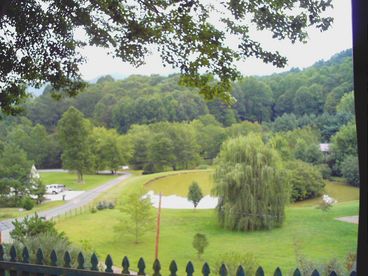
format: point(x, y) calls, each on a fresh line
point(324, 147)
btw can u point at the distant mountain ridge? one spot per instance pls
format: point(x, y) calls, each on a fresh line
point(38, 91)
point(336, 58)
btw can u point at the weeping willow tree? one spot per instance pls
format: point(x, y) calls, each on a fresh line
point(250, 184)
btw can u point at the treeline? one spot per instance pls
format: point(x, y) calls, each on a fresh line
point(312, 93)
point(153, 124)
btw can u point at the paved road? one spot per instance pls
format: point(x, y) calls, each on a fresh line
point(6, 226)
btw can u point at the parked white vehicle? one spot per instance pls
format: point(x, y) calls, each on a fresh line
point(55, 188)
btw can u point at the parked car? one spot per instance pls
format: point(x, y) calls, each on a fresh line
point(55, 188)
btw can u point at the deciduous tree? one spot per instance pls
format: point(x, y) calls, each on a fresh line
point(14, 175)
point(74, 133)
point(139, 215)
point(195, 194)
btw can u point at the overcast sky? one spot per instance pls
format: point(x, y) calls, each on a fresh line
point(321, 45)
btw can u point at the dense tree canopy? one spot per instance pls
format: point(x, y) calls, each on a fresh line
point(38, 41)
point(109, 150)
point(74, 133)
point(193, 129)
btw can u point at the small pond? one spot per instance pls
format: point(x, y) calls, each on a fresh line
point(179, 202)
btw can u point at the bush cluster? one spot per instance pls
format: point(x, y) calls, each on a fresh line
point(101, 205)
point(305, 180)
point(202, 167)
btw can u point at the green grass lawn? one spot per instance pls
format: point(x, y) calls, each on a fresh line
point(178, 184)
point(6, 213)
point(70, 180)
point(320, 236)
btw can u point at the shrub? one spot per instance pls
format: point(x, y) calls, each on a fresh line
point(32, 226)
point(333, 265)
point(101, 205)
point(28, 203)
point(305, 180)
point(325, 171)
point(200, 242)
point(105, 205)
point(93, 210)
point(307, 266)
point(234, 259)
point(350, 261)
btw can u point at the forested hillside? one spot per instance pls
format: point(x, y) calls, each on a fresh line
point(314, 91)
point(153, 123)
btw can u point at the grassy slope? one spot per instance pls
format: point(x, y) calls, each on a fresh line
point(320, 235)
point(6, 213)
point(70, 180)
point(178, 184)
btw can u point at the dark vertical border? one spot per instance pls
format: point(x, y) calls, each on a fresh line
point(360, 61)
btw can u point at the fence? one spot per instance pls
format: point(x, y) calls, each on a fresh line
point(16, 266)
point(88, 208)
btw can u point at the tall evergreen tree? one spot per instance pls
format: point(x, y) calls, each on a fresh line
point(250, 185)
point(74, 133)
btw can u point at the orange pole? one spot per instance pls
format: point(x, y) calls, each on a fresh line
point(158, 227)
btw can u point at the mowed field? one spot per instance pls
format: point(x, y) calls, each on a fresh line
point(320, 237)
point(70, 180)
point(178, 184)
point(6, 213)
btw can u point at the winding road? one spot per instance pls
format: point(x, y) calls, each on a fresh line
point(6, 225)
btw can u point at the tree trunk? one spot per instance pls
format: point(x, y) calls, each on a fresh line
point(80, 177)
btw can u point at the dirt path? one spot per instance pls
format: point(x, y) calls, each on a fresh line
point(351, 219)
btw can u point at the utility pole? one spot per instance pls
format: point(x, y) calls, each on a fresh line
point(158, 226)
